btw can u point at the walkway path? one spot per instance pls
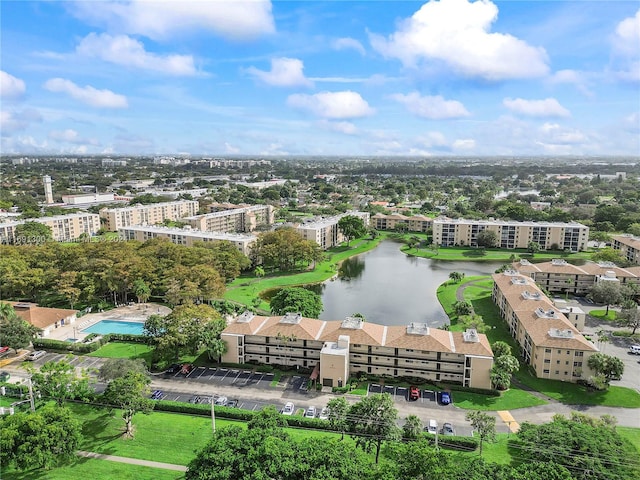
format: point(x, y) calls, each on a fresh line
point(132, 461)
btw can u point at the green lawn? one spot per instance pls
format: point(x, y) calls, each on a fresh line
point(84, 468)
point(509, 400)
point(573, 394)
point(603, 315)
point(493, 255)
point(631, 434)
point(124, 350)
point(496, 452)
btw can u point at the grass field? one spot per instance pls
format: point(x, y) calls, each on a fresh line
point(84, 468)
point(509, 400)
point(493, 255)
point(124, 350)
point(631, 434)
point(603, 315)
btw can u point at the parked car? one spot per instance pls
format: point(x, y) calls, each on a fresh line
point(311, 412)
point(432, 427)
point(232, 403)
point(186, 368)
point(204, 399)
point(222, 401)
point(4, 376)
point(174, 368)
point(447, 429)
point(157, 395)
point(324, 414)
point(634, 349)
point(35, 355)
point(4, 350)
point(445, 398)
point(288, 409)
point(414, 393)
point(194, 399)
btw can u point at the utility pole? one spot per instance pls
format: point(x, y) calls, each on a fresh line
point(213, 415)
point(31, 399)
point(436, 438)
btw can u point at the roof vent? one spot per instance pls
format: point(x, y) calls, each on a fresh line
point(417, 329)
point(471, 335)
point(246, 317)
point(558, 261)
point(291, 318)
point(559, 333)
point(353, 323)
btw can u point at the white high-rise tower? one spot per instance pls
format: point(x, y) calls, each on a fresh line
point(48, 190)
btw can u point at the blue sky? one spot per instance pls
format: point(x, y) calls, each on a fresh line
point(447, 77)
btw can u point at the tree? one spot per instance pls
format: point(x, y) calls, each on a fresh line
point(609, 254)
point(606, 292)
point(484, 425)
point(500, 348)
point(456, 277)
point(141, 290)
point(630, 317)
point(487, 239)
point(607, 365)
point(32, 233)
point(474, 321)
point(503, 367)
point(533, 248)
point(412, 427)
point(114, 368)
point(131, 394)
point(67, 287)
point(14, 331)
point(462, 307)
point(58, 380)
point(46, 438)
point(372, 421)
point(296, 299)
point(338, 409)
point(352, 227)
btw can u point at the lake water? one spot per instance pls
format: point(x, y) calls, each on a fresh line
point(390, 288)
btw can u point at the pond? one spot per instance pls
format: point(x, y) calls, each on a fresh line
point(390, 288)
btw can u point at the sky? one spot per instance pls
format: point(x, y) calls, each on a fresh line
point(352, 78)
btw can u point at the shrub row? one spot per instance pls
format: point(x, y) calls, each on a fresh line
point(467, 444)
point(14, 390)
point(84, 347)
point(481, 391)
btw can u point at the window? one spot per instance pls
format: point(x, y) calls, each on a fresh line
point(546, 360)
point(577, 364)
point(559, 352)
point(547, 350)
point(579, 354)
point(568, 352)
point(545, 371)
point(557, 372)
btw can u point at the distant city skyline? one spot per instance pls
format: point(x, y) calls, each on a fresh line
point(385, 78)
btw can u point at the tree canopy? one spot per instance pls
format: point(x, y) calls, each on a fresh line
point(15, 332)
point(296, 299)
point(131, 394)
point(372, 420)
point(284, 249)
point(352, 227)
point(58, 380)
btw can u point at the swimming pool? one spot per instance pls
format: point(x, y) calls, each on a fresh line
point(115, 326)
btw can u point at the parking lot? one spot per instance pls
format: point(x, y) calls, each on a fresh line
point(226, 376)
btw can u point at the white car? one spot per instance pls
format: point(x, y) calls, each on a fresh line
point(35, 355)
point(324, 414)
point(635, 349)
point(221, 401)
point(288, 409)
point(432, 427)
point(311, 412)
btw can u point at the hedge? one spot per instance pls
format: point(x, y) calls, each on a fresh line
point(467, 444)
point(83, 347)
point(14, 390)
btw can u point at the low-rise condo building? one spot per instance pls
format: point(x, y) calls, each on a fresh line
point(560, 276)
point(186, 236)
point(449, 232)
point(244, 219)
point(325, 232)
point(548, 340)
point(395, 221)
point(629, 247)
point(336, 350)
point(64, 228)
point(151, 214)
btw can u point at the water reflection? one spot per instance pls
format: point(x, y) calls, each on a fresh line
point(351, 269)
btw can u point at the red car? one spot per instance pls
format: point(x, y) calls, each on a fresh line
point(4, 350)
point(414, 393)
point(186, 368)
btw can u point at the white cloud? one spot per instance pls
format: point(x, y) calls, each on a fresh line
point(10, 86)
point(549, 107)
point(337, 105)
point(552, 133)
point(347, 128)
point(235, 20)
point(11, 121)
point(457, 33)
point(433, 139)
point(348, 43)
point(433, 107)
point(464, 144)
point(124, 50)
point(626, 39)
point(573, 77)
point(87, 95)
point(285, 72)
point(71, 136)
point(228, 148)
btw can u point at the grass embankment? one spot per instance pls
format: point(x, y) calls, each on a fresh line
point(491, 254)
point(611, 316)
point(479, 294)
point(246, 288)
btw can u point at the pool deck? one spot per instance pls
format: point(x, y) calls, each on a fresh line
point(137, 312)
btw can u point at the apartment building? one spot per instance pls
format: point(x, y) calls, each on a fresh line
point(336, 350)
point(64, 228)
point(560, 276)
point(414, 223)
point(243, 219)
point(151, 214)
point(548, 340)
point(186, 236)
point(449, 232)
point(629, 246)
point(325, 232)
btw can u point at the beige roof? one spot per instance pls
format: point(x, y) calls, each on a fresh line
point(594, 268)
point(306, 329)
point(627, 240)
point(472, 348)
point(41, 317)
point(370, 334)
point(436, 340)
point(246, 328)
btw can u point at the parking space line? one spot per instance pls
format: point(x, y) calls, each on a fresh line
point(227, 373)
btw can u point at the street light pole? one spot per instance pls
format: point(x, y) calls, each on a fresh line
point(31, 399)
point(213, 416)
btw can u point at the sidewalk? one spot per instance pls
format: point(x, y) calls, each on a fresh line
point(132, 461)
